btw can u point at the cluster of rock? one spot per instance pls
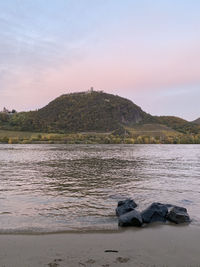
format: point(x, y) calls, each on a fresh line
point(156, 212)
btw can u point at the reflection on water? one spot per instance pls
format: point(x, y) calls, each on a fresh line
point(69, 187)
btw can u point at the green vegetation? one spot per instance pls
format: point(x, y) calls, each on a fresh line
point(95, 117)
point(179, 124)
point(132, 136)
point(78, 112)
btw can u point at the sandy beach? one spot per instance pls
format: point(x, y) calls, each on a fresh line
point(160, 245)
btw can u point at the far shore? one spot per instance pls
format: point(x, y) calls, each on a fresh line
point(159, 245)
point(136, 137)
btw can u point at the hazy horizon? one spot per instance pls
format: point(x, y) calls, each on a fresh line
point(146, 51)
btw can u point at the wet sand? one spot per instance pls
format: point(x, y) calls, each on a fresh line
point(156, 246)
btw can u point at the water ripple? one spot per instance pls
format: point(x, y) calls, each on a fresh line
point(62, 187)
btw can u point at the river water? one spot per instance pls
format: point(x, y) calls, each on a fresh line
point(53, 188)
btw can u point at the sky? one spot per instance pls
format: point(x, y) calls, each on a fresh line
point(144, 50)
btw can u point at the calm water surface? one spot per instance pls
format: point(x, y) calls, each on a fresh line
point(50, 188)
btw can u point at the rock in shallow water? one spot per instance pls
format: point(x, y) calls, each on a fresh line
point(178, 215)
point(131, 218)
point(125, 206)
point(156, 212)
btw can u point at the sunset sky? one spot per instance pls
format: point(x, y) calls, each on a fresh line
point(147, 51)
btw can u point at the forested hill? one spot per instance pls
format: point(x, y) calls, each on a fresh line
point(197, 121)
point(178, 124)
point(80, 112)
point(92, 111)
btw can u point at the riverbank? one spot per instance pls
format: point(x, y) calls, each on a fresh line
point(135, 136)
point(160, 245)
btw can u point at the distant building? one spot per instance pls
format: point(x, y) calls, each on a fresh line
point(90, 91)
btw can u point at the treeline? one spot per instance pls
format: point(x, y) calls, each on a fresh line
point(100, 139)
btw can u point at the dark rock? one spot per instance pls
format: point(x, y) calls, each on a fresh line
point(169, 206)
point(178, 215)
point(131, 218)
point(156, 212)
point(125, 206)
point(111, 250)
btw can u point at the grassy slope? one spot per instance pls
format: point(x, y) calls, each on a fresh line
point(153, 130)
